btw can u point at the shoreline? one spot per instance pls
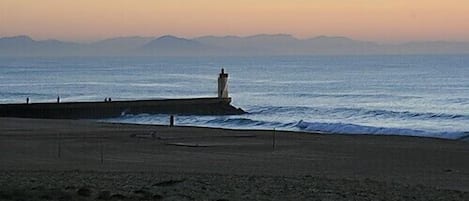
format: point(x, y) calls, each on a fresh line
point(463, 139)
point(86, 153)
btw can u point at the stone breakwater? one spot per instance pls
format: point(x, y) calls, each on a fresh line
point(97, 110)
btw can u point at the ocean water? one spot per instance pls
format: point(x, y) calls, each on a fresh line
point(423, 95)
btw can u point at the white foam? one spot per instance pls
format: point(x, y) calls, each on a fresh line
point(344, 128)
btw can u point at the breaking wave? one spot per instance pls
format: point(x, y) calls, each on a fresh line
point(245, 122)
point(360, 112)
point(344, 128)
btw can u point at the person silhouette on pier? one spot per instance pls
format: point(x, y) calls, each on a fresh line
point(27, 100)
point(58, 99)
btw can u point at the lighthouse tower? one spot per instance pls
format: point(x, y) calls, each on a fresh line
point(223, 84)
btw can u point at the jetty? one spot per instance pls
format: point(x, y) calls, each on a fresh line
point(220, 105)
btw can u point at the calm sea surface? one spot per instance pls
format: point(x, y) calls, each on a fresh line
point(402, 95)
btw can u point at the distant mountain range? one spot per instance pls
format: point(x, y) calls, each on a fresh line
point(257, 45)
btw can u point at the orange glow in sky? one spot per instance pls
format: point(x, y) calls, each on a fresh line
point(375, 20)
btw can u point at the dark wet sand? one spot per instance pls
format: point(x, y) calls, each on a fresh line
point(62, 160)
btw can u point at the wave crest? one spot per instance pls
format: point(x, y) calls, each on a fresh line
point(344, 128)
point(358, 113)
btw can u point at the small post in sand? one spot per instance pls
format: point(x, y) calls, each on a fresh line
point(101, 149)
point(59, 146)
point(171, 121)
point(273, 140)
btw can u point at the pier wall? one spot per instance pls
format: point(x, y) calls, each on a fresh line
point(98, 110)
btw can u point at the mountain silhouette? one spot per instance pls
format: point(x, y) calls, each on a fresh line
point(119, 45)
point(26, 46)
point(255, 45)
point(173, 46)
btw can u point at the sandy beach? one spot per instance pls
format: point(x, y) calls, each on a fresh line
point(86, 160)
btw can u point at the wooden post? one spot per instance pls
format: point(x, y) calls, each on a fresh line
point(101, 150)
point(59, 146)
point(273, 140)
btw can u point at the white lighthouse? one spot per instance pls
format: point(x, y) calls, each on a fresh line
point(223, 84)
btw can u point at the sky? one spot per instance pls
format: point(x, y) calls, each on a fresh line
point(372, 20)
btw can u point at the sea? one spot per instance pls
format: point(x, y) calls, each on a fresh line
point(414, 95)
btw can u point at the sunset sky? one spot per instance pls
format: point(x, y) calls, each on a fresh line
point(375, 20)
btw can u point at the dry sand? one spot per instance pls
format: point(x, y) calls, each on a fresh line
point(85, 160)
